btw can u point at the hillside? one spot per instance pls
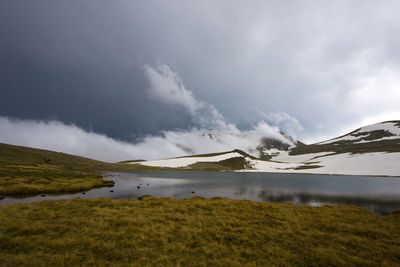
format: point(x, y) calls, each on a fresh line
point(11, 154)
point(30, 171)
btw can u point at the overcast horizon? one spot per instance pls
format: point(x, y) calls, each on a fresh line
point(116, 80)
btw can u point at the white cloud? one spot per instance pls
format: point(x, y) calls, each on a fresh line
point(166, 86)
point(57, 136)
point(377, 91)
point(287, 123)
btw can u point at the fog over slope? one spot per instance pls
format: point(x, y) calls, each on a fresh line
point(211, 132)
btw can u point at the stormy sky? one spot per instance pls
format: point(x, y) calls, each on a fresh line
point(144, 79)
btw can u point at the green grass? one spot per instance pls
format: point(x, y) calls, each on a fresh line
point(194, 232)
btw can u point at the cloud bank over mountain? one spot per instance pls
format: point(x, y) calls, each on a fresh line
point(211, 132)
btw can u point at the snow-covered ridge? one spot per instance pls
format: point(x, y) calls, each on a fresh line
point(186, 161)
point(390, 130)
point(347, 158)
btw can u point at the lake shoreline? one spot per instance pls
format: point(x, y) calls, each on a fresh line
point(375, 194)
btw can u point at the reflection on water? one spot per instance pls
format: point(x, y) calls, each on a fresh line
point(380, 195)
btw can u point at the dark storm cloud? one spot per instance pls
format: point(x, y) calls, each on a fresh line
point(333, 66)
point(79, 63)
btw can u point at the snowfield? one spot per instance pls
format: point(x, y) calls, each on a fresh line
point(379, 164)
point(186, 161)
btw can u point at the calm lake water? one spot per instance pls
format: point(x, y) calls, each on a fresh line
point(381, 195)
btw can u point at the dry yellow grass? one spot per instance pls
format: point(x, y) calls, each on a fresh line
point(193, 232)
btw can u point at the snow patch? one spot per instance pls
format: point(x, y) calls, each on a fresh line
point(286, 158)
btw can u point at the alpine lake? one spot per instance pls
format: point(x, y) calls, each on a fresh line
point(380, 195)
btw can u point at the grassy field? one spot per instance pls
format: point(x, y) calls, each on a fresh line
point(194, 232)
point(42, 178)
point(24, 171)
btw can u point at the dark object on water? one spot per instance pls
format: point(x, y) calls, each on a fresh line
point(111, 191)
point(138, 187)
point(147, 184)
point(84, 193)
point(193, 192)
point(42, 195)
point(1, 197)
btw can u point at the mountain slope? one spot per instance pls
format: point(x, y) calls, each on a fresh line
point(369, 150)
point(380, 137)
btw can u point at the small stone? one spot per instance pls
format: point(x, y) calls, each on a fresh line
point(1, 197)
point(147, 184)
point(138, 187)
point(42, 195)
point(111, 191)
point(193, 192)
point(83, 193)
